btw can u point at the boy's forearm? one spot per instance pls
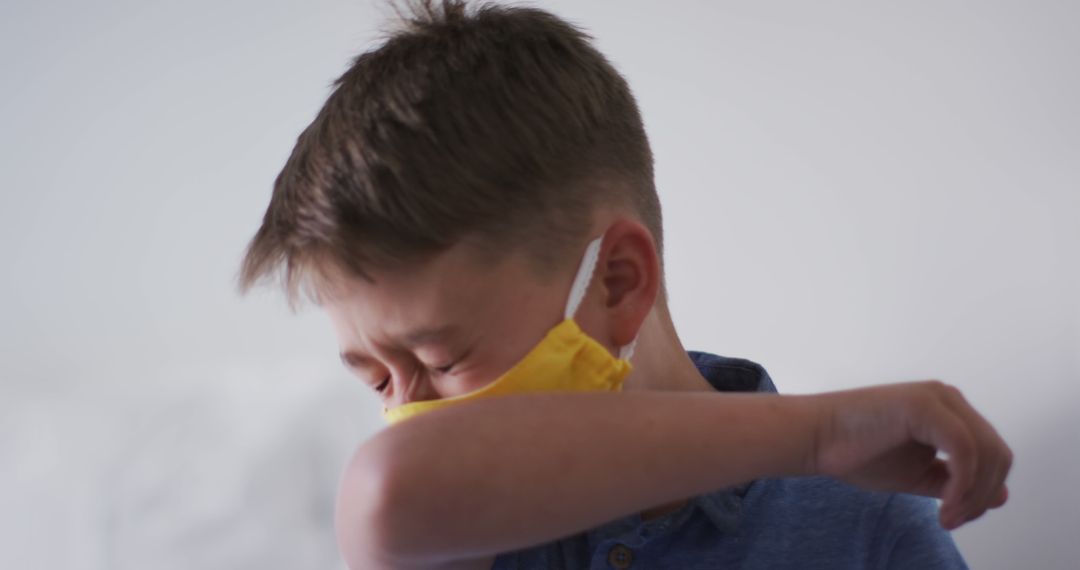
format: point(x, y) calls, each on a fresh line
point(501, 474)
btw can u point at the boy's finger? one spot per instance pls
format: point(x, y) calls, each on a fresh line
point(997, 493)
point(993, 461)
point(944, 430)
point(1002, 497)
point(933, 481)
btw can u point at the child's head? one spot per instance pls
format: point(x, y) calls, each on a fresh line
point(452, 179)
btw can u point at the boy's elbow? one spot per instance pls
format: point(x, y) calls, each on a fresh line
point(357, 513)
point(369, 533)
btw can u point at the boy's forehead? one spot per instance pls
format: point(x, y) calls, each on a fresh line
point(445, 295)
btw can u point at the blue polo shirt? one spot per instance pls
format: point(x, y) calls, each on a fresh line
point(800, 523)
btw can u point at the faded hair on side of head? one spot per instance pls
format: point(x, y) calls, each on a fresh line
point(500, 125)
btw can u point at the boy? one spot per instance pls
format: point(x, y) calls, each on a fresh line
point(474, 209)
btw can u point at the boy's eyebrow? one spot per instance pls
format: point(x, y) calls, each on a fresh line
point(429, 335)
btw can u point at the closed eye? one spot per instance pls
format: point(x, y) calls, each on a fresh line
point(462, 357)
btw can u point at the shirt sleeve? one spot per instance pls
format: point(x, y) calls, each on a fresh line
point(914, 538)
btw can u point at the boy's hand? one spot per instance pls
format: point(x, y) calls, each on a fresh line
point(888, 437)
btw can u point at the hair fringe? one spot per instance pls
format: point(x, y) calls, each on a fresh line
point(407, 156)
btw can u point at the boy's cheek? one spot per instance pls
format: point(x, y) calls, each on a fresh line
point(596, 328)
point(476, 374)
point(469, 380)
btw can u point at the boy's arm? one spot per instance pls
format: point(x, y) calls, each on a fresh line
point(505, 473)
point(500, 474)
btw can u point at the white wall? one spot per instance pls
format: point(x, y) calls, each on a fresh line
point(854, 194)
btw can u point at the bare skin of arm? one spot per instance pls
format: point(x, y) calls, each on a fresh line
point(457, 486)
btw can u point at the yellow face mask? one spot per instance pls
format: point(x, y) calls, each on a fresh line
point(566, 360)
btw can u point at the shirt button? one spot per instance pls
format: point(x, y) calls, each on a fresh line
point(620, 557)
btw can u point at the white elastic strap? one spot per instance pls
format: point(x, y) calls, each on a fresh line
point(584, 276)
point(581, 286)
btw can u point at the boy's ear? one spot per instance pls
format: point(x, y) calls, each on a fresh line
point(630, 273)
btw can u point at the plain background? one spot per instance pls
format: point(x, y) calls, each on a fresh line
point(854, 193)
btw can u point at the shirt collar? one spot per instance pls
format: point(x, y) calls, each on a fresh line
point(728, 374)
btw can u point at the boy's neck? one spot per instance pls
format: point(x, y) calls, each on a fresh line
point(660, 361)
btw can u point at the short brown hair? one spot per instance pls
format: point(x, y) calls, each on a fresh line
point(500, 123)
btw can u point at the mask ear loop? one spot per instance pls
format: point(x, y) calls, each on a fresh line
point(583, 277)
point(581, 286)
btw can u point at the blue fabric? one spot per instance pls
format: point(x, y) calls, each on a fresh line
point(804, 523)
